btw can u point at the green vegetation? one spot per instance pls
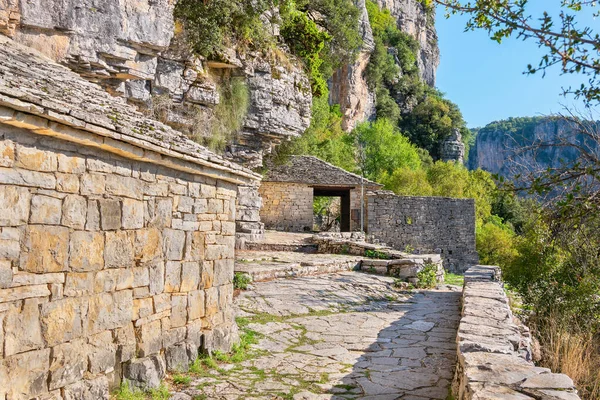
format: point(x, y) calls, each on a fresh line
point(427, 277)
point(181, 379)
point(126, 392)
point(241, 281)
point(454, 279)
point(376, 254)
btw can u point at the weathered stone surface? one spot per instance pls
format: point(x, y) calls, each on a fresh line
point(68, 363)
point(86, 251)
point(23, 330)
point(6, 274)
point(118, 251)
point(174, 243)
point(178, 310)
point(45, 210)
point(196, 305)
point(62, 320)
point(101, 353)
point(109, 311)
point(110, 214)
point(28, 374)
point(74, 211)
point(15, 201)
point(147, 245)
point(133, 214)
point(177, 358)
point(172, 276)
point(149, 338)
point(46, 249)
point(146, 372)
point(88, 390)
point(35, 159)
point(190, 276)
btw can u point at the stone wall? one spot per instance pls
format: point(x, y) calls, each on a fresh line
point(427, 224)
point(494, 355)
point(287, 206)
point(109, 267)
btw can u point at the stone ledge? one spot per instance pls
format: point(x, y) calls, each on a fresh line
point(494, 351)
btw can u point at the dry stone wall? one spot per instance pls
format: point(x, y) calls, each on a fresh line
point(494, 350)
point(109, 268)
point(287, 206)
point(425, 224)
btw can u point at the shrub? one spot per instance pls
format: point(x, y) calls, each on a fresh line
point(376, 254)
point(241, 281)
point(427, 277)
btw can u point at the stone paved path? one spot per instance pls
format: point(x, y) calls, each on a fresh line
point(340, 336)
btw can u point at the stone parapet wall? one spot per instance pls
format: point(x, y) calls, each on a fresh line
point(494, 355)
point(110, 268)
point(425, 225)
point(286, 206)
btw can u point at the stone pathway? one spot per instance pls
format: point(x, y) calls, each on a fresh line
point(340, 336)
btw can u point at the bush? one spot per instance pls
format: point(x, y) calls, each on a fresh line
point(427, 277)
point(241, 281)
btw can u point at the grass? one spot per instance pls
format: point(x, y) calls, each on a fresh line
point(454, 279)
point(126, 392)
point(181, 379)
point(241, 281)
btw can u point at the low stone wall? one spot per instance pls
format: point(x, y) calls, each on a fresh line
point(287, 206)
point(494, 355)
point(110, 268)
point(426, 224)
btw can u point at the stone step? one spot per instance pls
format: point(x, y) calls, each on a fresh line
point(290, 247)
point(268, 270)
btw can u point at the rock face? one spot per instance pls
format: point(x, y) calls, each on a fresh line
point(418, 22)
point(453, 148)
point(128, 46)
point(348, 86)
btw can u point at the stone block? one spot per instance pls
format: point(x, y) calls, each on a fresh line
point(93, 389)
point(225, 296)
point(35, 159)
point(62, 320)
point(172, 336)
point(67, 183)
point(109, 311)
point(149, 338)
point(194, 334)
point(7, 153)
point(102, 353)
point(145, 372)
point(23, 331)
point(133, 214)
point(71, 164)
point(74, 211)
point(196, 305)
point(125, 341)
point(147, 246)
point(46, 249)
point(68, 363)
point(93, 216)
point(110, 214)
point(212, 301)
point(14, 201)
point(162, 302)
point(79, 284)
point(118, 251)
point(178, 310)
point(45, 210)
point(6, 274)
point(162, 214)
point(215, 206)
point(141, 277)
point(107, 280)
point(223, 272)
point(190, 276)
point(21, 177)
point(142, 308)
point(157, 277)
point(177, 358)
point(208, 274)
point(124, 186)
point(93, 184)
point(10, 246)
point(28, 374)
point(86, 251)
point(23, 292)
point(195, 246)
point(173, 244)
point(172, 276)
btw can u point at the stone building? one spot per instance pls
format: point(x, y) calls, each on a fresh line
point(288, 193)
point(116, 238)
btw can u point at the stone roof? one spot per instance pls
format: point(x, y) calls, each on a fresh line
point(36, 93)
point(314, 171)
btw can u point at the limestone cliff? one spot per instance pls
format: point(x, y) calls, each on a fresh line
point(129, 47)
point(348, 86)
point(499, 146)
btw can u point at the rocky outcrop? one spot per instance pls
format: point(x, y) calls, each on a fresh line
point(453, 148)
point(415, 20)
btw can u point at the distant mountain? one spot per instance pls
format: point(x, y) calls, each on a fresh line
point(499, 146)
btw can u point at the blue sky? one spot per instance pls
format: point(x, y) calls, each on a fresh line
point(486, 79)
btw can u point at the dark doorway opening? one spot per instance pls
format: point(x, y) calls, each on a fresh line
point(344, 195)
